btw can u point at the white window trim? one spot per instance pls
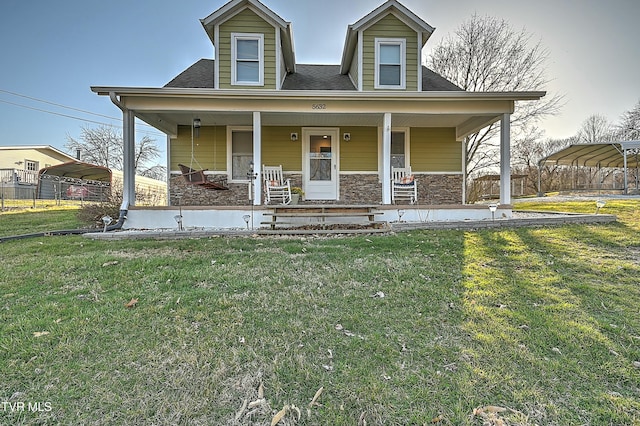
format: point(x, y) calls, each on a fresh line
point(407, 147)
point(230, 130)
point(407, 143)
point(403, 62)
point(35, 164)
point(234, 46)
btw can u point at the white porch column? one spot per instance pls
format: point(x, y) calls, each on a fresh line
point(505, 159)
point(129, 165)
point(386, 159)
point(257, 158)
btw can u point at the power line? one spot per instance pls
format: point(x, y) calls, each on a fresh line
point(56, 104)
point(76, 118)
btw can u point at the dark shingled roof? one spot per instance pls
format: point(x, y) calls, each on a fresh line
point(434, 82)
point(317, 77)
point(197, 76)
point(306, 77)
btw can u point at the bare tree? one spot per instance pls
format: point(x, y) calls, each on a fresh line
point(527, 152)
point(103, 146)
point(629, 126)
point(596, 129)
point(485, 55)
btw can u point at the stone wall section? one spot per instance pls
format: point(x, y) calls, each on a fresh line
point(360, 189)
point(439, 189)
point(354, 189)
point(182, 193)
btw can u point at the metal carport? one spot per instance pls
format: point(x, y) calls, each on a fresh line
point(74, 180)
point(622, 155)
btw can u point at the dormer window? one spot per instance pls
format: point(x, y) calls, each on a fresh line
point(390, 63)
point(247, 59)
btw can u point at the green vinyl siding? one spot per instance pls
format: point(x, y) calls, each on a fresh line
point(435, 149)
point(246, 22)
point(209, 150)
point(279, 149)
point(390, 27)
point(360, 154)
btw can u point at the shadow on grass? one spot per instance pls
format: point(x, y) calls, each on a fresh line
point(562, 306)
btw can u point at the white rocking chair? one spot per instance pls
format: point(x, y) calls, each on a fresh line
point(403, 185)
point(275, 187)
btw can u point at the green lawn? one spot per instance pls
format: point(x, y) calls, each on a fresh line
point(526, 326)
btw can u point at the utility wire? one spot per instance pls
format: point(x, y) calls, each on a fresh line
point(63, 106)
point(76, 118)
point(56, 104)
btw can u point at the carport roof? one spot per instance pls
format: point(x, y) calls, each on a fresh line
point(594, 155)
point(78, 170)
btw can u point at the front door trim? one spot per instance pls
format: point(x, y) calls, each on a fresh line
point(334, 133)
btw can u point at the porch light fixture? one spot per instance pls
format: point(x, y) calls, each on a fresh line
point(492, 208)
point(346, 137)
point(599, 204)
point(294, 137)
point(178, 219)
point(106, 220)
point(196, 127)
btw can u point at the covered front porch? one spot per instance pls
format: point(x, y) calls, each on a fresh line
point(338, 148)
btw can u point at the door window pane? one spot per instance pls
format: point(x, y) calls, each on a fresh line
point(320, 158)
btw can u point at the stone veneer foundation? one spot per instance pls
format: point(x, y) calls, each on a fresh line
point(433, 189)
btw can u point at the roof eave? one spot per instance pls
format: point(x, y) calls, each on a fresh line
point(350, 42)
point(324, 94)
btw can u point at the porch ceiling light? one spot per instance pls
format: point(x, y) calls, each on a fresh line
point(196, 127)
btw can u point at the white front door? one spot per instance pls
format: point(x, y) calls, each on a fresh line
point(320, 163)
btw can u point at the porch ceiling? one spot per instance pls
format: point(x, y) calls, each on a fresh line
point(464, 123)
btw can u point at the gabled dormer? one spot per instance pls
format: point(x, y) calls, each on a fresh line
point(383, 50)
point(253, 46)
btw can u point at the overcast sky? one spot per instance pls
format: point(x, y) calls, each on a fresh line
point(55, 50)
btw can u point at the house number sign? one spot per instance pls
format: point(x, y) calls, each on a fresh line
point(318, 106)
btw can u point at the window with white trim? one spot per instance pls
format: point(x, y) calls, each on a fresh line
point(398, 149)
point(390, 63)
point(241, 154)
point(31, 166)
point(247, 59)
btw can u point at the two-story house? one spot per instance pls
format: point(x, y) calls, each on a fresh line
point(337, 130)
